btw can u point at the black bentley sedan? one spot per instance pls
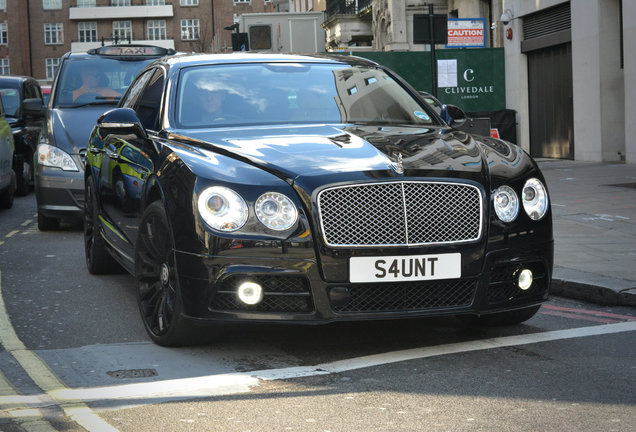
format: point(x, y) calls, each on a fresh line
point(283, 188)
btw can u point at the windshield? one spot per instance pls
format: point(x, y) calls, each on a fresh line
point(10, 101)
point(275, 93)
point(95, 80)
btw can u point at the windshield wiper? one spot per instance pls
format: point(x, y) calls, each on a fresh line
point(95, 102)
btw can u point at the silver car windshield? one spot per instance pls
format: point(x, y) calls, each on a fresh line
point(279, 93)
point(95, 80)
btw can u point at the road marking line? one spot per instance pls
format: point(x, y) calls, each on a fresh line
point(44, 377)
point(579, 317)
point(27, 222)
point(241, 382)
point(30, 419)
point(12, 233)
point(590, 312)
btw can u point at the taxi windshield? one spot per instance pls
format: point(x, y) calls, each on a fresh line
point(95, 80)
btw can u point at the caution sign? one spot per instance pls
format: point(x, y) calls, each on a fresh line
point(466, 33)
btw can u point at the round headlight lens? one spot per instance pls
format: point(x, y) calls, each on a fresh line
point(506, 203)
point(222, 208)
point(535, 199)
point(276, 211)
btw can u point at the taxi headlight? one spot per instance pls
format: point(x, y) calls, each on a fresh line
point(54, 157)
point(535, 199)
point(506, 203)
point(276, 211)
point(222, 208)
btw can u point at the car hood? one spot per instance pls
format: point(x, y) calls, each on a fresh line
point(319, 154)
point(71, 127)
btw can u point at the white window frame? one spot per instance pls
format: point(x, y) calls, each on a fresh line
point(51, 65)
point(5, 66)
point(4, 33)
point(190, 27)
point(155, 2)
point(154, 28)
point(85, 28)
point(85, 3)
point(189, 2)
point(51, 4)
point(125, 26)
point(3, 5)
point(55, 31)
point(242, 1)
point(120, 3)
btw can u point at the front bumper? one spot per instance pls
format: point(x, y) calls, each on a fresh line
point(59, 193)
point(296, 292)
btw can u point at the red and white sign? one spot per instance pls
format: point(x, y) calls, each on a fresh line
point(464, 32)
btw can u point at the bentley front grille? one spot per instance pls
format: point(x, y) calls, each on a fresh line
point(400, 214)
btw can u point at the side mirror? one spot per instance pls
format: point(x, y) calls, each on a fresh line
point(121, 121)
point(33, 108)
point(456, 114)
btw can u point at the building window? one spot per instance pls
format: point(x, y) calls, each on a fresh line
point(242, 1)
point(54, 34)
point(122, 30)
point(189, 2)
point(51, 67)
point(3, 5)
point(120, 2)
point(85, 3)
point(87, 31)
point(4, 66)
point(156, 29)
point(4, 34)
point(189, 29)
point(155, 2)
point(52, 4)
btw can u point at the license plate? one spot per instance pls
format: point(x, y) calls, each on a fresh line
point(405, 268)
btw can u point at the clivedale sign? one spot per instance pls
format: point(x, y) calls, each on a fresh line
point(470, 91)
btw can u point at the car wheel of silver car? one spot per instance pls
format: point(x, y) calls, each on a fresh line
point(159, 296)
point(98, 260)
point(501, 318)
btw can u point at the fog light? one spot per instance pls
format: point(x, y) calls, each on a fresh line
point(525, 279)
point(250, 293)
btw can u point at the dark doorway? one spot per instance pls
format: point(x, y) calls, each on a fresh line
point(550, 98)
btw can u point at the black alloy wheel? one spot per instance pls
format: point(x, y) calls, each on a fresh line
point(23, 174)
point(159, 297)
point(98, 260)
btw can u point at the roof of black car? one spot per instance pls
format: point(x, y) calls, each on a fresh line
point(194, 59)
point(14, 79)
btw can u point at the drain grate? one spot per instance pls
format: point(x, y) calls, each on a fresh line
point(624, 185)
point(133, 373)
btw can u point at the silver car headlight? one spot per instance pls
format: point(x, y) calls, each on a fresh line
point(506, 203)
point(54, 157)
point(222, 208)
point(535, 199)
point(276, 211)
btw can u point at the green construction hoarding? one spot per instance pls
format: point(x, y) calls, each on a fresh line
point(473, 79)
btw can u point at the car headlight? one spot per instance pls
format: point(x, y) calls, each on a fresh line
point(535, 199)
point(54, 157)
point(276, 211)
point(222, 208)
point(506, 203)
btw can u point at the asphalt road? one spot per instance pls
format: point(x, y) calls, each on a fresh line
point(76, 357)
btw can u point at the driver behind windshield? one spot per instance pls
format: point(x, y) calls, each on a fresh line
point(94, 83)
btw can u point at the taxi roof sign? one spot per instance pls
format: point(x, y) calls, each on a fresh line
point(132, 50)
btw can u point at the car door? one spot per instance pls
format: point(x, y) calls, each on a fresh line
point(129, 160)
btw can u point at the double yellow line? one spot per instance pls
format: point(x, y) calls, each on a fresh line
point(32, 419)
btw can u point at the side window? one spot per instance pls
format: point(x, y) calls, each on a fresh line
point(130, 99)
point(148, 105)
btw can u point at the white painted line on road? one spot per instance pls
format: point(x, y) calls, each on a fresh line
point(44, 377)
point(234, 383)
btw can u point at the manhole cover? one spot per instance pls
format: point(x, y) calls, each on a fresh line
point(133, 373)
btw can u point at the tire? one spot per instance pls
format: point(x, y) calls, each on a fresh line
point(98, 260)
point(501, 318)
point(6, 197)
point(23, 175)
point(46, 223)
point(159, 295)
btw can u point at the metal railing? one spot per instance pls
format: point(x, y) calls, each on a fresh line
point(346, 7)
